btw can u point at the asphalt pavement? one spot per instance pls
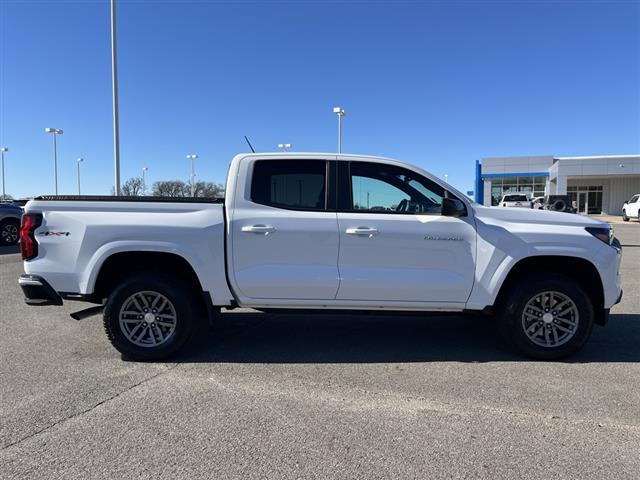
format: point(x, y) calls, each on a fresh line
point(311, 396)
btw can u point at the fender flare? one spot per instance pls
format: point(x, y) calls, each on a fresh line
point(100, 256)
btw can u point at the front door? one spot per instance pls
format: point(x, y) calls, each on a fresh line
point(395, 246)
point(583, 202)
point(284, 234)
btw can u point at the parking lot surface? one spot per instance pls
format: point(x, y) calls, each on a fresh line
point(305, 396)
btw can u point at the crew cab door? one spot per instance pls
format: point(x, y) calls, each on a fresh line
point(284, 234)
point(395, 246)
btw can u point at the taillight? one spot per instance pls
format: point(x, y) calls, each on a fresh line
point(28, 244)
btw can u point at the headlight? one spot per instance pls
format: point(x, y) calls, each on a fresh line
point(602, 233)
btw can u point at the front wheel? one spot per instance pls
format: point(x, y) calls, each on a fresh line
point(149, 317)
point(550, 317)
point(624, 216)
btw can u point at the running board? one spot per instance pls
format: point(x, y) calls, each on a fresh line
point(88, 312)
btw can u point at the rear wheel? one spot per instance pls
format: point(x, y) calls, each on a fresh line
point(624, 216)
point(149, 317)
point(9, 232)
point(549, 318)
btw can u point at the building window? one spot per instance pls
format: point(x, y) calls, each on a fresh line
point(587, 198)
point(529, 185)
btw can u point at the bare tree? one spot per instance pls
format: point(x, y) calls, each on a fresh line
point(208, 190)
point(171, 188)
point(134, 187)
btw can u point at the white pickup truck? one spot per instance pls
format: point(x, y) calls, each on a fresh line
point(320, 231)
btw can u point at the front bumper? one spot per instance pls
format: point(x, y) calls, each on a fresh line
point(37, 291)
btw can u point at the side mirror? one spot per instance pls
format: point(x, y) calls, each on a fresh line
point(452, 207)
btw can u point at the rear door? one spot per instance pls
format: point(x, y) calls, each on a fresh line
point(395, 246)
point(284, 231)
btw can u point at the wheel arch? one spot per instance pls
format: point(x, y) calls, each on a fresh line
point(121, 265)
point(583, 271)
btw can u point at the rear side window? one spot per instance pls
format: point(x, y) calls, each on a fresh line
point(291, 184)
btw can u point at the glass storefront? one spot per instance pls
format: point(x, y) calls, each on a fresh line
point(531, 186)
point(588, 199)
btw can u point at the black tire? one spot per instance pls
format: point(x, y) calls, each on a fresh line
point(180, 302)
point(624, 216)
point(511, 315)
point(559, 206)
point(9, 231)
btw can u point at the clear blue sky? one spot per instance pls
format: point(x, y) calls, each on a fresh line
point(438, 84)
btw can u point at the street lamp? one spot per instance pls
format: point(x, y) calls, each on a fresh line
point(192, 157)
point(114, 90)
point(285, 146)
point(79, 161)
point(2, 150)
point(144, 185)
point(340, 112)
point(56, 132)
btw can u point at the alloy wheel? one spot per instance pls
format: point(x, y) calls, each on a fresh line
point(148, 319)
point(9, 233)
point(550, 319)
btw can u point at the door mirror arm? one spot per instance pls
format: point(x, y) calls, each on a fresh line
point(452, 207)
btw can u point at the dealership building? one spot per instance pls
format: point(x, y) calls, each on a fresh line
point(598, 184)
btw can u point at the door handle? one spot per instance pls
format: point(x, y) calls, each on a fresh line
point(263, 229)
point(362, 231)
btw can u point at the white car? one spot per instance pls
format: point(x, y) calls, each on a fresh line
point(631, 209)
point(308, 231)
point(517, 200)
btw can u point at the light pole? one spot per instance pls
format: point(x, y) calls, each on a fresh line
point(340, 112)
point(79, 161)
point(56, 132)
point(192, 157)
point(114, 88)
point(144, 185)
point(285, 146)
point(446, 178)
point(2, 150)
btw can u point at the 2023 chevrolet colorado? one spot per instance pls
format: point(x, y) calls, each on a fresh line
point(320, 231)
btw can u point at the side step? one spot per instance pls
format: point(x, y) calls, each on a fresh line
point(88, 312)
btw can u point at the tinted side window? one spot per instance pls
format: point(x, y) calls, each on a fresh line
point(294, 184)
point(382, 188)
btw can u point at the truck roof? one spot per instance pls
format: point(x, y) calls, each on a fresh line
point(336, 156)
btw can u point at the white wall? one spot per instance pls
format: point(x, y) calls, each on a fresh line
point(615, 190)
point(511, 165)
point(622, 189)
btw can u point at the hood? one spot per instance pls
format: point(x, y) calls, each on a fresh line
point(534, 216)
